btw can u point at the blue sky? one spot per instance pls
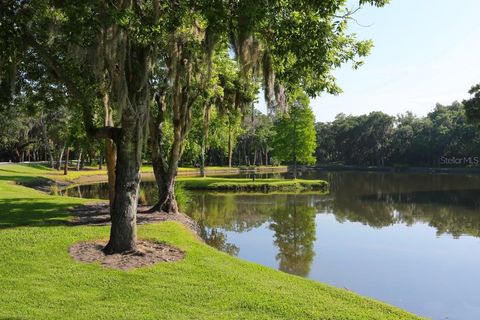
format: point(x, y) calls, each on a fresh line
point(426, 51)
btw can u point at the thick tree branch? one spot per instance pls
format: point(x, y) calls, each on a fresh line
point(58, 72)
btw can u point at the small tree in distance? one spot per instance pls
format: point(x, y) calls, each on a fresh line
point(295, 139)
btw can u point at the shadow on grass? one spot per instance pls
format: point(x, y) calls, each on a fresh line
point(33, 212)
point(28, 181)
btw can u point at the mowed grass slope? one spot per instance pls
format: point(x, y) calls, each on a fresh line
point(39, 280)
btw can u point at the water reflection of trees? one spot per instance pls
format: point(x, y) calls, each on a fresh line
point(218, 213)
point(294, 227)
point(216, 238)
point(231, 212)
point(292, 221)
point(448, 203)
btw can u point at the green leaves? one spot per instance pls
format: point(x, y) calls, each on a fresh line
point(472, 105)
point(295, 138)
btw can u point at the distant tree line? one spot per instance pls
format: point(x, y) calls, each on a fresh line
point(378, 139)
point(34, 131)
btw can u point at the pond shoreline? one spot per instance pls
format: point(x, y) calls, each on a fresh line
point(55, 179)
point(432, 170)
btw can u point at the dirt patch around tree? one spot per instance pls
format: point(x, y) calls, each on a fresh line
point(148, 253)
point(99, 215)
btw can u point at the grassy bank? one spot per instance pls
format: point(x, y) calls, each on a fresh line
point(39, 280)
point(259, 185)
point(94, 174)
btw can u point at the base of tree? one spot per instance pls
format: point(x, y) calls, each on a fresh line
point(99, 215)
point(148, 253)
point(167, 207)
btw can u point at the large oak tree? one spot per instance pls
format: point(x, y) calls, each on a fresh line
point(107, 55)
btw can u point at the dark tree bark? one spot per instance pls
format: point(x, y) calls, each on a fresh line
point(129, 143)
point(166, 202)
point(123, 233)
point(100, 160)
point(166, 169)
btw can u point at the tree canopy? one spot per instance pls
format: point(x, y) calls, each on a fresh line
point(133, 69)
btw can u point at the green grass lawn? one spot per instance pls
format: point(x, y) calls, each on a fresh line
point(94, 171)
point(39, 280)
point(244, 184)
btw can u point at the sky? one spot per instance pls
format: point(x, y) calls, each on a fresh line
point(425, 52)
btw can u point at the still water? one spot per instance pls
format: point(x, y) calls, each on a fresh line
point(412, 240)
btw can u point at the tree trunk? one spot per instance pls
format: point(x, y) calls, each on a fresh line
point(164, 177)
point(165, 174)
point(110, 151)
point(206, 121)
point(110, 160)
point(166, 170)
point(167, 201)
point(65, 165)
point(202, 156)
point(100, 161)
point(79, 159)
point(123, 233)
point(295, 168)
point(82, 163)
point(60, 157)
point(294, 149)
point(230, 147)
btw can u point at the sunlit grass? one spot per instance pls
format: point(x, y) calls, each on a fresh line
point(39, 280)
point(248, 184)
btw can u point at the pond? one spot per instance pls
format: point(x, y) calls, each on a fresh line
point(412, 240)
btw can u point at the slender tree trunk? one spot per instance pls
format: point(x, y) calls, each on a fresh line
point(82, 163)
point(60, 157)
point(182, 101)
point(165, 175)
point(245, 152)
point(294, 149)
point(206, 120)
point(230, 147)
point(100, 161)
point(165, 178)
point(164, 169)
point(79, 159)
point(65, 165)
point(295, 168)
point(202, 160)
